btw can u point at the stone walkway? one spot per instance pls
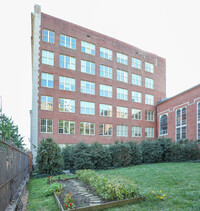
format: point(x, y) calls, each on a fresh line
point(94, 200)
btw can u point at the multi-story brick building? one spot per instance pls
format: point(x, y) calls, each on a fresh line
point(91, 87)
point(179, 116)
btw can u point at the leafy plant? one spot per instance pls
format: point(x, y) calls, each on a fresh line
point(69, 202)
point(54, 187)
point(50, 179)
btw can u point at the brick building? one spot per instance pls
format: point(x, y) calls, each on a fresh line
point(91, 87)
point(179, 117)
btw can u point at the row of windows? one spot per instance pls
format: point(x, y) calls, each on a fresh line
point(89, 48)
point(68, 105)
point(66, 83)
point(68, 62)
point(181, 123)
point(88, 128)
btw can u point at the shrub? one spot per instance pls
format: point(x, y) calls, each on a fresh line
point(49, 159)
point(69, 202)
point(54, 187)
point(68, 154)
point(136, 153)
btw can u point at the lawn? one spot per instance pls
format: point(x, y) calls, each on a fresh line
point(180, 182)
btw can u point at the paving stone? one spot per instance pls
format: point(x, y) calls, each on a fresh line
point(95, 201)
point(94, 204)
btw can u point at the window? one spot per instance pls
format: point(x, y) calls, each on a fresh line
point(48, 36)
point(122, 58)
point(68, 42)
point(87, 108)
point(181, 123)
point(47, 57)
point(149, 99)
point(122, 94)
point(105, 130)
point(105, 90)
point(198, 120)
point(67, 62)
point(136, 63)
point(87, 67)
point(163, 124)
point(87, 128)
point(136, 131)
point(47, 80)
point(88, 87)
point(149, 83)
point(122, 112)
point(149, 116)
point(136, 97)
point(149, 67)
point(66, 127)
point(105, 71)
point(47, 103)
point(136, 114)
point(87, 48)
point(136, 80)
point(122, 130)
point(105, 110)
point(66, 83)
point(46, 125)
point(149, 132)
point(122, 76)
point(105, 53)
point(66, 105)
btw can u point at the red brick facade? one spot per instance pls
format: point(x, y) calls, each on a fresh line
point(189, 99)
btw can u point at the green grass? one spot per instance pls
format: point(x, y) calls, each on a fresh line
point(180, 182)
point(36, 199)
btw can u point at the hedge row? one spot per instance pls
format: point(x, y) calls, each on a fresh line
point(98, 156)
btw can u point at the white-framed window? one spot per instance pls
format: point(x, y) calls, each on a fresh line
point(149, 116)
point(122, 112)
point(136, 97)
point(136, 63)
point(87, 128)
point(48, 36)
point(106, 53)
point(198, 120)
point(105, 71)
point(105, 110)
point(136, 114)
point(149, 99)
point(67, 62)
point(46, 103)
point(88, 48)
point(181, 123)
point(68, 42)
point(122, 130)
point(136, 80)
point(105, 90)
point(136, 131)
point(122, 58)
point(87, 108)
point(88, 87)
point(66, 127)
point(149, 83)
point(149, 67)
point(122, 94)
point(105, 130)
point(163, 124)
point(149, 132)
point(66, 83)
point(46, 125)
point(47, 57)
point(47, 80)
point(87, 67)
point(66, 105)
point(122, 76)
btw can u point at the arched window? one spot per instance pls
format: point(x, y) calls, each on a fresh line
point(164, 125)
point(181, 123)
point(198, 120)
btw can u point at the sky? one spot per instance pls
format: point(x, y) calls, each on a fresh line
point(168, 28)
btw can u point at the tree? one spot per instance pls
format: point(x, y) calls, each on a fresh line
point(49, 158)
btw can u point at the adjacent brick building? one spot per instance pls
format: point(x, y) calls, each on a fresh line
point(179, 117)
point(91, 87)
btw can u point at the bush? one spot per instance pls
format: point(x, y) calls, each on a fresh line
point(54, 187)
point(67, 154)
point(136, 153)
point(49, 159)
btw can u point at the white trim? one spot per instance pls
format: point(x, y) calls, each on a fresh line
point(167, 124)
point(197, 119)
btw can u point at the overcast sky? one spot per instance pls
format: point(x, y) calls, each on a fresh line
point(168, 28)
